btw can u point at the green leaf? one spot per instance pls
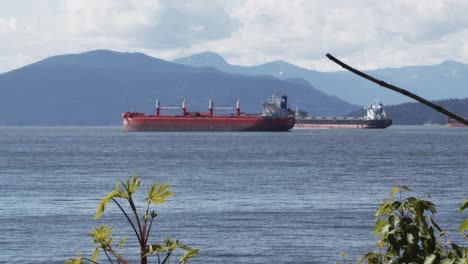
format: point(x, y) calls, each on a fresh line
point(410, 238)
point(458, 250)
point(116, 193)
point(102, 204)
point(435, 224)
point(378, 226)
point(131, 185)
point(158, 195)
point(189, 253)
point(100, 235)
point(95, 254)
point(395, 190)
point(463, 206)
point(372, 257)
point(396, 205)
point(406, 188)
point(380, 244)
point(385, 230)
point(430, 259)
point(73, 261)
point(383, 209)
point(171, 244)
point(156, 248)
point(447, 261)
point(463, 227)
point(76, 260)
point(122, 242)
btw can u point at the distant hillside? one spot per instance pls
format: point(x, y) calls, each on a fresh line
point(94, 88)
point(445, 80)
point(419, 114)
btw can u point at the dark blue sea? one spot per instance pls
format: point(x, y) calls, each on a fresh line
point(292, 197)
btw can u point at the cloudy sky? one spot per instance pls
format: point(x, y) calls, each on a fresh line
point(367, 34)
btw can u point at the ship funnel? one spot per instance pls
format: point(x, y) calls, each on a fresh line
point(238, 107)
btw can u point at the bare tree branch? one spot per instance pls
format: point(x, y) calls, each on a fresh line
point(438, 108)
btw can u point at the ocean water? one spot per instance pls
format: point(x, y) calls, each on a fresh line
point(292, 197)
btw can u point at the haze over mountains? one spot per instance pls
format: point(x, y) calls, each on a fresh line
point(443, 81)
point(94, 88)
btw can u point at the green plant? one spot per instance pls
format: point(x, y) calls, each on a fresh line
point(409, 234)
point(141, 226)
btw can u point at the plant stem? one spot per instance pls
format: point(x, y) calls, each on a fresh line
point(105, 252)
point(147, 210)
point(119, 258)
point(132, 205)
point(90, 260)
point(143, 256)
point(148, 231)
point(167, 257)
point(128, 219)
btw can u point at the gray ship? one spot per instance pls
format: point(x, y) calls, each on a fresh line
point(375, 117)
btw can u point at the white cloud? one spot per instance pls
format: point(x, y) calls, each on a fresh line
point(108, 17)
point(367, 34)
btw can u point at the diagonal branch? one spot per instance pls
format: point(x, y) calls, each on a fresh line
point(438, 108)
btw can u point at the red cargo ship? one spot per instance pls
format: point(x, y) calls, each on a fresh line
point(275, 117)
point(454, 123)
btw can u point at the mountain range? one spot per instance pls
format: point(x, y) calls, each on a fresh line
point(436, 82)
point(94, 88)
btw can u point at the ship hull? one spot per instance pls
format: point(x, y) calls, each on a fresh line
point(454, 123)
point(347, 123)
point(144, 123)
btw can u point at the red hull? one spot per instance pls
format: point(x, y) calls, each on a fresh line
point(454, 123)
point(135, 122)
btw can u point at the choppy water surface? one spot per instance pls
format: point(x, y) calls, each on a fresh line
point(297, 197)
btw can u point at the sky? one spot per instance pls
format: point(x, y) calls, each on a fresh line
point(367, 34)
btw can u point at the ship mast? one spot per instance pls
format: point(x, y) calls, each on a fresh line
point(184, 107)
point(210, 106)
point(158, 107)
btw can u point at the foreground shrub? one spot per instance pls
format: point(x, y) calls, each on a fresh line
point(409, 234)
point(141, 226)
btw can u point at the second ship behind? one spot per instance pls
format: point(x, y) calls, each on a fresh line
point(375, 117)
